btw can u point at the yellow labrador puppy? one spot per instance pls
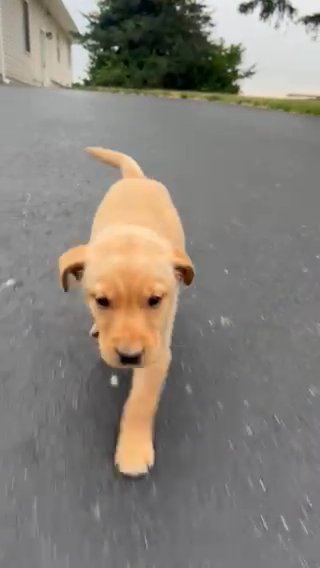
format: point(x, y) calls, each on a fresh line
point(130, 272)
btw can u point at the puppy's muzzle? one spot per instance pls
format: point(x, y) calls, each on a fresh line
point(129, 359)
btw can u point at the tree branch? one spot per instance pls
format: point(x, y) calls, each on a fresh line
point(311, 22)
point(269, 8)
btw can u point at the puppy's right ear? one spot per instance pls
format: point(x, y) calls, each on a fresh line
point(72, 262)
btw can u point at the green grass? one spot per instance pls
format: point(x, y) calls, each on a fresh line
point(297, 106)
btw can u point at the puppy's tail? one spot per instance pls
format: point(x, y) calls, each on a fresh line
point(129, 168)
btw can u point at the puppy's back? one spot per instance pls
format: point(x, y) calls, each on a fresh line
point(142, 202)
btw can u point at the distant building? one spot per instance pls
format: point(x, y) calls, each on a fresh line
point(303, 96)
point(35, 42)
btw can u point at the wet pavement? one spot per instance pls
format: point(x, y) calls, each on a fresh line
point(237, 478)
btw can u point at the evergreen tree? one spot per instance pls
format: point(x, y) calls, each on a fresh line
point(159, 44)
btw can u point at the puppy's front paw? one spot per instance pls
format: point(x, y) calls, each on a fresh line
point(134, 454)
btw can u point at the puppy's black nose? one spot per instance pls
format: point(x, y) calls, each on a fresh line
point(130, 359)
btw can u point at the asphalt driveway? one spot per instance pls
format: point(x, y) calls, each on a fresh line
point(237, 478)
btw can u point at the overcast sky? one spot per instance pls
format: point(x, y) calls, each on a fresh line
point(287, 60)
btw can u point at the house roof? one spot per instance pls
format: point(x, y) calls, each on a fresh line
point(58, 10)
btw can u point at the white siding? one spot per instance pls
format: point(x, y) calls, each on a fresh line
point(27, 67)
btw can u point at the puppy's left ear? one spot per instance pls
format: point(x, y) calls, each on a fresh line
point(183, 267)
point(72, 262)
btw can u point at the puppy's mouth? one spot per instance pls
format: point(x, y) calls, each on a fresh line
point(123, 360)
point(115, 364)
point(131, 359)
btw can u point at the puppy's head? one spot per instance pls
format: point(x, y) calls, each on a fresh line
point(130, 284)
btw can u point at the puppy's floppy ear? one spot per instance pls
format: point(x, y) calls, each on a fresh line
point(72, 262)
point(183, 267)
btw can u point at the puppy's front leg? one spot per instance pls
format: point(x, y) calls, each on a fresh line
point(135, 452)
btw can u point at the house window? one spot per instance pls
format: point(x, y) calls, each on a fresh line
point(26, 26)
point(58, 48)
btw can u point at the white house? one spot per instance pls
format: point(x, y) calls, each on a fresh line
point(35, 42)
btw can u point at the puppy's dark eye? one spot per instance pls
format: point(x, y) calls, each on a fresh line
point(154, 301)
point(103, 302)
